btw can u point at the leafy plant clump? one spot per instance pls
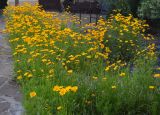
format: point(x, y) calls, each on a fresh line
point(149, 9)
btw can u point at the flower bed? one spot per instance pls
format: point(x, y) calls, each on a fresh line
point(82, 70)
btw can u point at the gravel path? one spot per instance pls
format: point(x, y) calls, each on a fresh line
point(10, 96)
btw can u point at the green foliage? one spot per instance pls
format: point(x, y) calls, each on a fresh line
point(125, 37)
point(111, 5)
point(131, 96)
point(125, 6)
point(134, 6)
point(149, 9)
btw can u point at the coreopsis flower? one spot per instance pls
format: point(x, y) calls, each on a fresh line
point(68, 88)
point(113, 87)
point(19, 77)
point(62, 91)
point(122, 74)
point(107, 69)
point(57, 88)
point(95, 78)
point(32, 94)
point(157, 75)
point(70, 71)
point(152, 87)
point(104, 78)
point(74, 89)
point(59, 108)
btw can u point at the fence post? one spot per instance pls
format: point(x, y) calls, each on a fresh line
point(97, 18)
point(80, 14)
point(90, 11)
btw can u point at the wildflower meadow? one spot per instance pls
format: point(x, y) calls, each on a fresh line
point(64, 68)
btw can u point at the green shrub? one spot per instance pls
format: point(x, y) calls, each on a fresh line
point(110, 5)
point(149, 9)
point(133, 4)
point(125, 36)
point(125, 6)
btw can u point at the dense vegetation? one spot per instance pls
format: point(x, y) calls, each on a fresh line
point(64, 69)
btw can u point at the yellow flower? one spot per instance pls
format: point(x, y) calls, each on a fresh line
point(51, 71)
point(19, 71)
point(70, 71)
point(59, 107)
point(152, 87)
point(157, 75)
point(25, 74)
point(57, 88)
point(30, 75)
point(88, 56)
point(115, 68)
point(19, 77)
point(33, 94)
point(95, 78)
point(68, 88)
point(114, 87)
point(107, 69)
point(104, 78)
point(62, 91)
point(27, 40)
point(122, 74)
point(74, 89)
point(83, 53)
point(158, 68)
point(18, 60)
point(73, 58)
point(44, 60)
point(102, 46)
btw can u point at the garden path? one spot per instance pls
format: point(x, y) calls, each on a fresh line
point(10, 96)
